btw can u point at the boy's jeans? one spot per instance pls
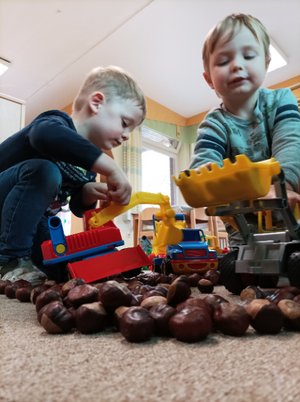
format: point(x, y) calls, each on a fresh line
point(26, 191)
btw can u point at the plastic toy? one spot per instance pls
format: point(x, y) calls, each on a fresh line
point(232, 191)
point(92, 255)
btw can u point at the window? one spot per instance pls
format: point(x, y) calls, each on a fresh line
point(159, 163)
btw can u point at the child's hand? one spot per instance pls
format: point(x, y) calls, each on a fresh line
point(94, 191)
point(293, 197)
point(119, 188)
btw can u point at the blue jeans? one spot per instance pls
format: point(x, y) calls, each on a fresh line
point(26, 191)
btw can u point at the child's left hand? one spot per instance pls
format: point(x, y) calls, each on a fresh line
point(94, 191)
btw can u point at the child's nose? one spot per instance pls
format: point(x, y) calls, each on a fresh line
point(237, 63)
point(125, 136)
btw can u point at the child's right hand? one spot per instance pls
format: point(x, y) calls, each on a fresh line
point(119, 188)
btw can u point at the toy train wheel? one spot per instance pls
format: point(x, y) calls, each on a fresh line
point(293, 268)
point(228, 277)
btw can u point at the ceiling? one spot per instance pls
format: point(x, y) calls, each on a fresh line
point(52, 44)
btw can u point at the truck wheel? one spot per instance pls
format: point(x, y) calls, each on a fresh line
point(267, 281)
point(293, 268)
point(228, 277)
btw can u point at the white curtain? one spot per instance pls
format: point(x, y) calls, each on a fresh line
point(132, 161)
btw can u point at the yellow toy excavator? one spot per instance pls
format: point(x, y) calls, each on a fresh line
point(167, 229)
point(233, 190)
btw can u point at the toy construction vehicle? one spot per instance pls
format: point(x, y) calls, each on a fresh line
point(236, 189)
point(92, 255)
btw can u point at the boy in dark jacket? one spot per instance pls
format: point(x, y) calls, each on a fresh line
point(54, 160)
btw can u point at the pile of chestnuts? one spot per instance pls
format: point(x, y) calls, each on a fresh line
point(153, 304)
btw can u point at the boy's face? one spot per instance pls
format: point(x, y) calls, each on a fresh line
point(113, 122)
point(237, 67)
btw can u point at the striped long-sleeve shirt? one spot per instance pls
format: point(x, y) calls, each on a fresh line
point(274, 131)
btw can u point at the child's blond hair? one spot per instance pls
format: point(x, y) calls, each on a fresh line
point(229, 26)
point(113, 82)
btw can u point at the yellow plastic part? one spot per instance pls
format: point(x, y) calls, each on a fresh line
point(60, 249)
point(234, 181)
point(169, 234)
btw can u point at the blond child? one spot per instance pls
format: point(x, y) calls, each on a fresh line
point(55, 159)
point(251, 120)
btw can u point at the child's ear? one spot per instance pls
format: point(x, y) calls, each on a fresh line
point(208, 80)
point(96, 99)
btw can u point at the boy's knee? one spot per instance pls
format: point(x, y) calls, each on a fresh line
point(45, 172)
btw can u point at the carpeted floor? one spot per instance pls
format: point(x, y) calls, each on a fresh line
point(38, 367)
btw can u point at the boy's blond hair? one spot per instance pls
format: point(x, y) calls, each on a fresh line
point(113, 82)
point(229, 26)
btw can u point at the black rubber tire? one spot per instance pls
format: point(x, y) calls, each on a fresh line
point(267, 281)
point(293, 269)
point(228, 277)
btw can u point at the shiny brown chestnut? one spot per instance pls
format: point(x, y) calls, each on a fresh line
point(231, 319)
point(90, 318)
point(191, 324)
point(205, 286)
point(114, 294)
point(56, 318)
point(291, 312)
point(265, 317)
point(82, 294)
point(23, 294)
point(161, 314)
point(136, 324)
point(151, 301)
point(3, 285)
point(71, 284)
point(178, 291)
point(213, 276)
point(47, 297)
point(252, 292)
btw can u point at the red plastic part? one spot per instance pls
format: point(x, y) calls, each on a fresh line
point(102, 266)
point(105, 234)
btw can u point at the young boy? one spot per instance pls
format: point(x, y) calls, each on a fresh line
point(55, 159)
point(251, 120)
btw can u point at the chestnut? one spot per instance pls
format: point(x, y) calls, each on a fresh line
point(46, 297)
point(90, 318)
point(71, 284)
point(252, 292)
point(56, 319)
point(10, 289)
point(136, 324)
point(265, 318)
point(82, 294)
point(194, 279)
point(23, 294)
point(291, 312)
point(231, 319)
point(148, 302)
point(213, 276)
point(119, 311)
point(205, 286)
point(37, 291)
point(214, 300)
point(179, 291)
point(114, 294)
point(191, 324)
point(161, 314)
point(194, 301)
point(3, 285)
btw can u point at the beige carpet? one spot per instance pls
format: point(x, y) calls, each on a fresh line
point(38, 367)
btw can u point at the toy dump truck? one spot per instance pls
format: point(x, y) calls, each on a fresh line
point(236, 189)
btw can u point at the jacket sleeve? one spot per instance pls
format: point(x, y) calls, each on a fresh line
point(285, 131)
point(211, 143)
point(54, 139)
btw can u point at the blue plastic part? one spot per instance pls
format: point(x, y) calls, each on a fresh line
point(107, 248)
point(57, 235)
